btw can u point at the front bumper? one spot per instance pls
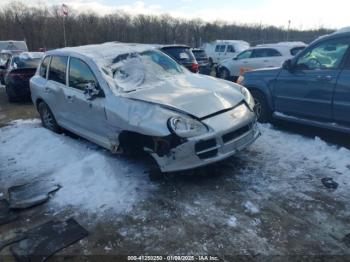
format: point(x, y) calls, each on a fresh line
point(230, 136)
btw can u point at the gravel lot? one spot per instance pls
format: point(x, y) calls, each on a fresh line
point(266, 201)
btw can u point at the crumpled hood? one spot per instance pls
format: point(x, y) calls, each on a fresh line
point(195, 94)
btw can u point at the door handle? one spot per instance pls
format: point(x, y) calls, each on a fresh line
point(324, 78)
point(47, 90)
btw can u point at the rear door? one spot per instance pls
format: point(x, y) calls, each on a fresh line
point(307, 90)
point(86, 117)
point(341, 101)
point(53, 90)
point(264, 58)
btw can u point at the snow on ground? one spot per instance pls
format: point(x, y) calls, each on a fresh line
point(92, 180)
point(268, 199)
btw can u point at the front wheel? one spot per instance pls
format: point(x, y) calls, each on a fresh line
point(261, 108)
point(47, 118)
point(224, 74)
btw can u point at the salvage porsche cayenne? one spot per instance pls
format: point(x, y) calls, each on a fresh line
point(128, 97)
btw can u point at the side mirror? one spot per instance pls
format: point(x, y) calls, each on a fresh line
point(91, 91)
point(287, 65)
point(235, 58)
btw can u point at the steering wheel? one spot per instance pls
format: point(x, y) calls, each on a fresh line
point(314, 61)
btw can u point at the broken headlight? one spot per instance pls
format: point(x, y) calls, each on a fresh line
point(248, 97)
point(186, 127)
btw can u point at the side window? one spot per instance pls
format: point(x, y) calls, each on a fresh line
point(265, 52)
point(230, 49)
point(272, 52)
point(222, 48)
point(326, 55)
point(57, 70)
point(296, 50)
point(217, 48)
point(43, 67)
point(245, 55)
point(80, 74)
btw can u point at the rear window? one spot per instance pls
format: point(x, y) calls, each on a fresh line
point(58, 67)
point(294, 51)
point(180, 54)
point(199, 54)
point(18, 62)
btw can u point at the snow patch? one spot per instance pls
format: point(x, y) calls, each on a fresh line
point(251, 208)
point(92, 181)
point(232, 221)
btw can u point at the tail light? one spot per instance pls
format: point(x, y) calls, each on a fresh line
point(195, 68)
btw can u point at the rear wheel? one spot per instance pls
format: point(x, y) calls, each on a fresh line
point(10, 97)
point(47, 118)
point(224, 73)
point(261, 107)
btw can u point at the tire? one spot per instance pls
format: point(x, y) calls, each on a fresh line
point(224, 74)
point(262, 109)
point(10, 97)
point(211, 63)
point(47, 118)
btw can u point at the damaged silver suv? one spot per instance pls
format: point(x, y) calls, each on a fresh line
point(134, 97)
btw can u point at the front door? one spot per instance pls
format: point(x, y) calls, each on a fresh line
point(86, 117)
point(341, 101)
point(307, 89)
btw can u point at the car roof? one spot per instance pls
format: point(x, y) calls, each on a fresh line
point(101, 53)
point(198, 49)
point(174, 46)
point(283, 49)
point(344, 32)
point(30, 55)
point(10, 51)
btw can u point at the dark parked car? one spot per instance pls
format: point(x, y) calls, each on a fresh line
point(203, 61)
point(313, 88)
point(5, 57)
point(18, 73)
point(183, 55)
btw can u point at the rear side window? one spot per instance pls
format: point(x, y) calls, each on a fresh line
point(57, 71)
point(44, 66)
point(265, 52)
point(80, 74)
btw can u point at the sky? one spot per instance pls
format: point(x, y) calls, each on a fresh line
point(303, 14)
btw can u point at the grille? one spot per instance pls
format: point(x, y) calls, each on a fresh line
point(206, 148)
point(235, 134)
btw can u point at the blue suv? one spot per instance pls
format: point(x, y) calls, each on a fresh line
point(312, 88)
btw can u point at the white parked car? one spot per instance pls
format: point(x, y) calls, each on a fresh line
point(262, 56)
point(223, 49)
